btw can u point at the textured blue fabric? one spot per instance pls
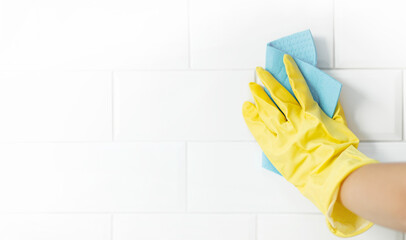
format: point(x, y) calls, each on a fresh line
point(325, 89)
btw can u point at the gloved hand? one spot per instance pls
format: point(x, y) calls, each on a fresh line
point(312, 151)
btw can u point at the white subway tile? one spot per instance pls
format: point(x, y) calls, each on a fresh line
point(55, 226)
point(94, 34)
point(228, 177)
point(372, 102)
point(368, 35)
point(311, 227)
point(181, 105)
point(384, 151)
point(55, 106)
point(404, 105)
point(184, 227)
point(92, 177)
point(233, 34)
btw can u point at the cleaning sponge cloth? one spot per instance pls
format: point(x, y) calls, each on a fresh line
point(325, 89)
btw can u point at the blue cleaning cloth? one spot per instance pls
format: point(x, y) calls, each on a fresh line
point(325, 89)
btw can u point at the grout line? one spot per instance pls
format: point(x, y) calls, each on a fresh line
point(169, 141)
point(403, 104)
point(158, 212)
point(381, 141)
point(111, 226)
point(334, 36)
point(256, 227)
point(259, 213)
point(124, 69)
point(185, 69)
point(362, 68)
point(56, 142)
point(54, 213)
point(192, 141)
point(188, 34)
point(129, 141)
point(197, 69)
point(112, 106)
point(186, 176)
point(52, 70)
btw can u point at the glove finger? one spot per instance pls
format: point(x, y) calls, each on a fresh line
point(283, 99)
point(339, 115)
point(268, 111)
point(255, 124)
point(298, 83)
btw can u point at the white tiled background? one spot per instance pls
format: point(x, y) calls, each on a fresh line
point(121, 119)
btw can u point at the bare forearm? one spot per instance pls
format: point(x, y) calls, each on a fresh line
point(377, 192)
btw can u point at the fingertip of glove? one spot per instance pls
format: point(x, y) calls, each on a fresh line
point(254, 87)
point(258, 69)
point(286, 58)
point(248, 108)
point(292, 70)
point(251, 84)
point(289, 62)
point(250, 114)
point(247, 105)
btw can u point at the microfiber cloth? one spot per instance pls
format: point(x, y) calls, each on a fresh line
point(325, 89)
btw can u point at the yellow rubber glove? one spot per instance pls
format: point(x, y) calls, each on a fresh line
point(312, 151)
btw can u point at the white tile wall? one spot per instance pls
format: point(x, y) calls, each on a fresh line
point(374, 113)
point(184, 226)
point(122, 119)
point(404, 104)
point(367, 34)
point(279, 226)
point(181, 105)
point(55, 106)
point(92, 177)
point(384, 151)
point(233, 34)
point(55, 226)
point(228, 177)
point(94, 34)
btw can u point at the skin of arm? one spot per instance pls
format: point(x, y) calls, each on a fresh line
point(377, 192)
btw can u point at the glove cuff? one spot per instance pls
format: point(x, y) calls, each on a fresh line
point(341, 221)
